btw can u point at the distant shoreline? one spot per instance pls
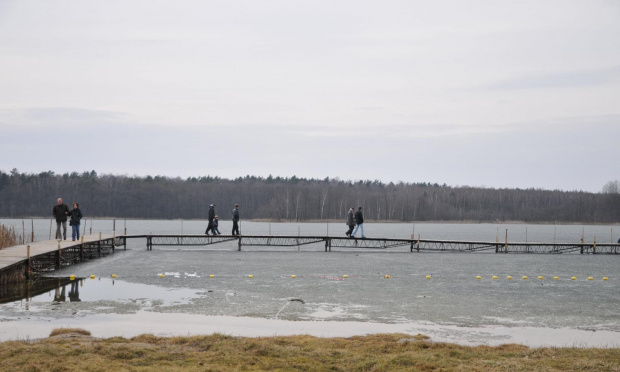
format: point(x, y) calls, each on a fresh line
point(267, 220)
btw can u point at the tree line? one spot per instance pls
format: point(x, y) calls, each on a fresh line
point(295, 199)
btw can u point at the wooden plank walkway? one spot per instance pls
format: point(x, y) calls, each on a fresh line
point(19, 253)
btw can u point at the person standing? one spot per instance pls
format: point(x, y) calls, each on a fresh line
point(60, 213)
point(235, 220)
point(211, 218)
point(359, 220)
point(350, 222)
point(76, 216)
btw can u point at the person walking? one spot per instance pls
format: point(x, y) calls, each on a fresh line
point(76, 216)
point(60, 213)
point(211, 218)
point(350, 222)
point(235, 220)
point(359, 220)
point(216, 223)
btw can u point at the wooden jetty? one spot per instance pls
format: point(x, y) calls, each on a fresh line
point(415, 245)
point(17, 263)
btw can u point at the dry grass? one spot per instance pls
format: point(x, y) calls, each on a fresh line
point(389, 352)
point(8, 236)
point(65, 331)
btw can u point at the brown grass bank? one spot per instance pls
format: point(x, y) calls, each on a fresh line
point(76, 350)
point(8, 236)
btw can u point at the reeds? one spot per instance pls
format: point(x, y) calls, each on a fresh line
point(8, 236)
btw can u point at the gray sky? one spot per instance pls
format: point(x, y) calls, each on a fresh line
point(482, 93)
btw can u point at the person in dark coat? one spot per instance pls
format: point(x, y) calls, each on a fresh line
point(60, 213)
point(350, 222)
point(359, 220)
point(211, 218)
point(216, 223)
point(76, 216)
point(235, 220)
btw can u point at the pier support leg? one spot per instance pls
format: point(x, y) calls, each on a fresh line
point(239, 244)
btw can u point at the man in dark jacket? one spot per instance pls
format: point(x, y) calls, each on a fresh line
point(235, 219)
point(350, 222)
point(211, 218)
point(359, 220)
point(60, 213)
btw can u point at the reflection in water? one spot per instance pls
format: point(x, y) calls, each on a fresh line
point(74, 293)
point(35, 287)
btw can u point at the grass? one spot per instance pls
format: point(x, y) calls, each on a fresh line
point(74, 350)
point(8, 236)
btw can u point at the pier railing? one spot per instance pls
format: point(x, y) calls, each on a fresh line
point(342, 243)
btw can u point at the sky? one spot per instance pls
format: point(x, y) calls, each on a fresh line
point(495, 93)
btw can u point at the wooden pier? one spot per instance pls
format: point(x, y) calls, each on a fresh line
point(19, 262)
point(415, 245)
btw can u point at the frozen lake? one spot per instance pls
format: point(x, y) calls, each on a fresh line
point(451, 306)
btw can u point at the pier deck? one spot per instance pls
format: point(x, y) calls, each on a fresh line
point(415, 245)
point(17, 262)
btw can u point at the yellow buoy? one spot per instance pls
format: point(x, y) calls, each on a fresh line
point(478, 277)
point(605, 278)
point(590, 278)
point(495, 277)
point(556, 278)
point(428, 277)
point(211, 276)
point(72, 277)
point(250, 276)
point(345, 276)
point(509, 277)
point(113, 275)
point(92, 277)
point(293, 276)
point(540, 277)
point(387, 276)
point(524, 277)
point(161, 275)
point(573, 278)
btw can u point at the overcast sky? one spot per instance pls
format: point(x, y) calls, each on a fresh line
point(481, 93)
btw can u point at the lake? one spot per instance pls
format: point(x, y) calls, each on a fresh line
point(170, 291)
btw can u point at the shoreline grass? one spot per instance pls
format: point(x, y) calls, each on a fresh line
point(8, 236)
point(75, 350)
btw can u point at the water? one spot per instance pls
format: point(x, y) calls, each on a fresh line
point(452, 305)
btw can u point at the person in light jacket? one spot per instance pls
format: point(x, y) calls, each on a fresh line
point(350, 222)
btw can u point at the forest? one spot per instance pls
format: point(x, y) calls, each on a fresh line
point(295, 199)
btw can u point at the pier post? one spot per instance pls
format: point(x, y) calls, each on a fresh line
point(506, 242)
point(113, 240)
point(28, 262)
point(594, 246)
point(418, 249)
point(239, 244)
point(58, 257)
point(581, 244)
point(82, 250)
